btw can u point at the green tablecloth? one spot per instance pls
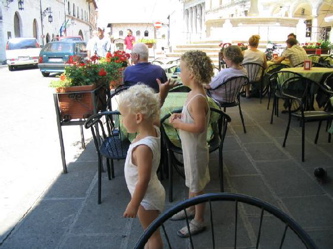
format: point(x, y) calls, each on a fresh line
point(286, 62)
point(315, 73)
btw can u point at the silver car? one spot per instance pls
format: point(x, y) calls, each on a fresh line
point(22, 52)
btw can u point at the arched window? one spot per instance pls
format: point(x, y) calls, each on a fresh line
point(146, 34)
point(69, 8)
point(74, 9)
point(121, 33)
point(0, 14)
point(138, 33)
point(34, 28)
point(81, 14)
point(78, 12)
point(17, 25)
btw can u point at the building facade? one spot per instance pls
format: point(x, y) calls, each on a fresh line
point(236, 20)
point(45, 20)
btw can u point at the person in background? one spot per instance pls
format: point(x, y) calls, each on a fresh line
point(129, 41)
point(294, 52)
point(140, 109)
point(142, 70)
point(196, 69)
point(292, 35)
point(254, 55)
point(91, 44)
point(233, 57)
point(99, 45)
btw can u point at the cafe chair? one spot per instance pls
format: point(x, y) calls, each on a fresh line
point(109, 140)
point(266, 82)
point(114, 93)
point(222, 63)
point(231, 94)
point(275, 82)
point(171, 141)
point(304, 94)
point(180, 88)
point(233, 221)
point(255, 73)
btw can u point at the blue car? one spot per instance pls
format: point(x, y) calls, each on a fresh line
point(56, 55)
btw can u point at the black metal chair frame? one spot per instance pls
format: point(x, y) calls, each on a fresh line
point(219, 127)
point(109, 142)
point(232, 88)
point(276, 90)
point(253, 69)
point(265, 211)
point(268, 73)
point(305, 96)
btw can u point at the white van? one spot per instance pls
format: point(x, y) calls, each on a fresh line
point(22, 52)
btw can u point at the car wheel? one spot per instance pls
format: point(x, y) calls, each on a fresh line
point(45, 74)
point(11, 68)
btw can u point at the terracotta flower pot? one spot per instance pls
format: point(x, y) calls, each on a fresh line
point(77, 102)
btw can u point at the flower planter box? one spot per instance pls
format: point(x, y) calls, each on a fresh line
point(316, 50)
point(80, 102)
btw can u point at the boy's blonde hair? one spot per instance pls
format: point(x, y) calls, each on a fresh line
point(199, 64)
point(142, 99)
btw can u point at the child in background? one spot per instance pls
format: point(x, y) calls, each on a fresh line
point(196, 69)
point(140, 108)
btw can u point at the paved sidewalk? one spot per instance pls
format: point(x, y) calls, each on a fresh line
point(67, 214)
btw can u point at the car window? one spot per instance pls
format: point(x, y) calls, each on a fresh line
point(80, 48)
point(58, 47)
point(21, 44)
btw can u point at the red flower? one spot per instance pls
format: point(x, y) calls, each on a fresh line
point(62, 77)
point(94, 58)
point(102, 72)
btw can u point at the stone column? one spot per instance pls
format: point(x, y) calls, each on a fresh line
point(195, 18)
point(190, 18)
point(254, 8)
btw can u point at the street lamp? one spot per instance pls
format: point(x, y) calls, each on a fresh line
point(50, 17)
point(42, 15)
point(21, 4)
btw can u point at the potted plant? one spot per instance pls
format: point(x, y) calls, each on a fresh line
point(321, 47)
point(148, 42)
point(86, 81)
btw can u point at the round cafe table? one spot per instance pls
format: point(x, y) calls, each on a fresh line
point(315, 73)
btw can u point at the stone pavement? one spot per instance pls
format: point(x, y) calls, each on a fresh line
point(67, 214)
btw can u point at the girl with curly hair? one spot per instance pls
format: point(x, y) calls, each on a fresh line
point(196, 69)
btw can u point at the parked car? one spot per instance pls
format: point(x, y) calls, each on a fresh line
point(70, 38)
point(55, 55)
point(22, 52)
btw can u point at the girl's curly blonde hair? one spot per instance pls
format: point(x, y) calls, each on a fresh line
point(142, 99)
point(200, 64)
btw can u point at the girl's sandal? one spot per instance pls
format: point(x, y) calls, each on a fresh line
point(181, 215)
point(195, 228)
